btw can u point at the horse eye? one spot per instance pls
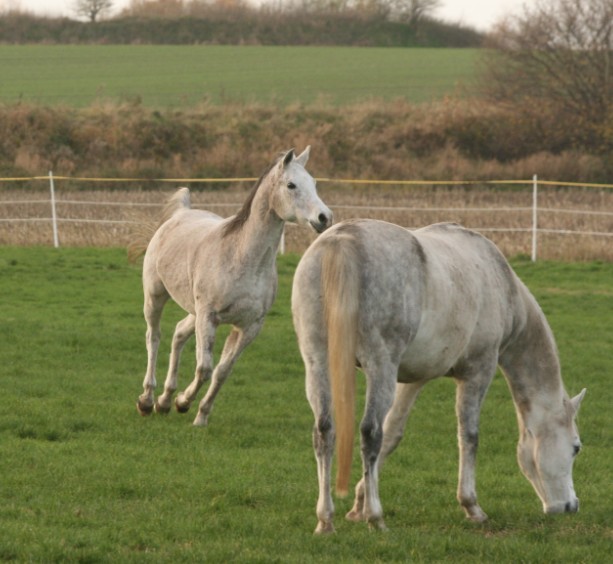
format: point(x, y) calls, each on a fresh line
point(291, 185)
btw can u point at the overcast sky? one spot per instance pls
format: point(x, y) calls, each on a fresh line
point(477, 13)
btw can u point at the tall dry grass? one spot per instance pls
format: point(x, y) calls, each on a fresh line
point(445, 140)
point(488, 209)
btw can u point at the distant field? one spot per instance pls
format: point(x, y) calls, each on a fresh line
point(175, 76)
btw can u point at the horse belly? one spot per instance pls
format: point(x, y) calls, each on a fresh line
point(433, 351)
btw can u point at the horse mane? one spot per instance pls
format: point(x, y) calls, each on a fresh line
point(236, 223)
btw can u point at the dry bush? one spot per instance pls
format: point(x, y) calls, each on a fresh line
point(446, 140)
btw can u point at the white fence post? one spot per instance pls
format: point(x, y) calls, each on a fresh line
point(56, 242)
point(534, 216)
point(281, 249)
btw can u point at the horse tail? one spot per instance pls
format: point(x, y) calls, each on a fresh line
point(180, 200)
point(144, 227)
point(340, 288)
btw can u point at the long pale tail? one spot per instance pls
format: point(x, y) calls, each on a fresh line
point(144, 227)
point(340, 288)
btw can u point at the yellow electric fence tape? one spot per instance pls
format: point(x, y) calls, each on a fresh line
point(324, 180)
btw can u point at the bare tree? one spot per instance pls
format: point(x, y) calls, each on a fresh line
point(411, 11)
point(91, 9)
point(557, 54)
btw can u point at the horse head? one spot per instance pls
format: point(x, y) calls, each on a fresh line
point(294, 197)
point(546, 452)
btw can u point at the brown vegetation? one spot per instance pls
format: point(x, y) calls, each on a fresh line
point(447, 140)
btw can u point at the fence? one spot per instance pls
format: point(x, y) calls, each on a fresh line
point(531, 228)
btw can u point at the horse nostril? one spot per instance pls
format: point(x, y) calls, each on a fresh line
point(323, 218)
point(571, 507)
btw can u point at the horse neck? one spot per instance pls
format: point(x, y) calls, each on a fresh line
point(532, 369)
point(263, 228)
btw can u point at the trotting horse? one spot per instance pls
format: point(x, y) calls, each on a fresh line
point(410, 306)
point(220, 271)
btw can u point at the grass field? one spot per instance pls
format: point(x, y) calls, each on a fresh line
point(84, 478)
point(166, 76)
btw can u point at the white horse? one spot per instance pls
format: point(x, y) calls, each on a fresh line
point(221, 271)
point(410, 306)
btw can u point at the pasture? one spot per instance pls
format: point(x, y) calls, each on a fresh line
point(84, 478)
point(181, 76)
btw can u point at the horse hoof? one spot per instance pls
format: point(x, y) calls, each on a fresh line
point(324, 528)
point(181, 407)
point(200, 421)
point(144, 409)
point(476, 514)
point(481, 518)
point(377, 525)
point(161, 408)
point(355, 516)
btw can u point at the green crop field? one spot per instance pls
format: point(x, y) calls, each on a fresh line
point(84, 478)
point(174, 76)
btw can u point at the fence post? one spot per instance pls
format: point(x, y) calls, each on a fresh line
point(281, 249)
point(534, 216)
point(56, 242)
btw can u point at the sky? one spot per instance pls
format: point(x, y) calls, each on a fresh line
point(480, 14)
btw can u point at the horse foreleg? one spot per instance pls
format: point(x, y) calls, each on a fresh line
point(379, 398)
point(235, 344)
point(183, 331)
point(154, 304)
point(469, 397)
point(393, 431)
point(205, 329)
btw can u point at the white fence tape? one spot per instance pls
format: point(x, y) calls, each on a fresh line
point(534, 229)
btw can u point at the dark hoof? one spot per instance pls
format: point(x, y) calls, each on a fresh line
point(161, 409)
point(182, 408)
point(144, 410)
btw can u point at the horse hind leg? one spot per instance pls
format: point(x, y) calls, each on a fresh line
point(235, 344)
point(320, 400)
point(183, 331)
point(205, 340)
point(379, 398)
point(154, 304)
point(393, 431)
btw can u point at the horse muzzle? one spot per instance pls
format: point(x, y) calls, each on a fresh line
point(568, 507)
point(324, 220)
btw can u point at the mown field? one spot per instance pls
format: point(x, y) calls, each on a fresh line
point(84, 478)
point(174, 76)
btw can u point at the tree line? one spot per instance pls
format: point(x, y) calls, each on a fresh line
point(375, 23)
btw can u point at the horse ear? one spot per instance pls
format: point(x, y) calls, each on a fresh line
point(303, 157)
point(576, 401)
point(289, 157)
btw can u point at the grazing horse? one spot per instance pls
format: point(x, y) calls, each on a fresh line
point(410, 306)
point(220, 271)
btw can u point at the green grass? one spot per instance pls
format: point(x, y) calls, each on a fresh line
point(84, 478)
point(169, 76)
